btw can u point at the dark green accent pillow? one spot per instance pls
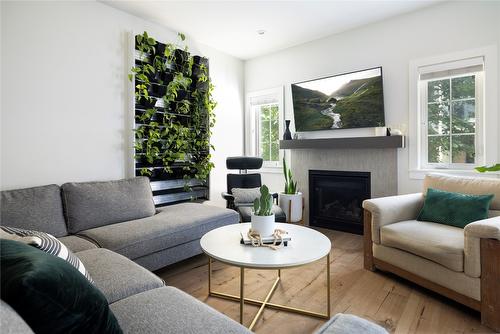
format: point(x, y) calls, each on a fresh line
point(50, 294)
point(454, 209)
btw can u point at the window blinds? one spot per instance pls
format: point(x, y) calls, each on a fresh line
point(263, 99)
point(454, 68)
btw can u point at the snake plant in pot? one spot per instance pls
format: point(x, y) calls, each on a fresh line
point(263, 217)
point(290, 200)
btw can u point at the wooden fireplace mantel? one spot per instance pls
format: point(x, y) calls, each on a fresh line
point(375, 142)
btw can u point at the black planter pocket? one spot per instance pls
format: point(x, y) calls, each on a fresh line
point(195, 74)
point(160, 49)
point(141, 162)
point(157, 90)
point(198, 60)
point(147, 102)
point(202, 86)
point(182, 119)
point(181, 56)
point(163, 77)
point(182, 95)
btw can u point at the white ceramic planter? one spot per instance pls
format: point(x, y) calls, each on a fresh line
point(295, 200)
point(264, 225)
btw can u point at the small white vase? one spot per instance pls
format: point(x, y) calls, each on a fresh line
point(264, 225)
point(295, 200)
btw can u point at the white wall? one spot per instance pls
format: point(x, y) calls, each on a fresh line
point(440, 29)
point(66, 113)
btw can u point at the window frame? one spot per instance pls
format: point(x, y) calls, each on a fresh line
point(252, 122)
point(478, 133)
point(258, 130)
point(490, 122)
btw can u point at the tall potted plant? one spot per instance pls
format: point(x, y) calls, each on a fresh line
point(262, 217)
point(290, 200)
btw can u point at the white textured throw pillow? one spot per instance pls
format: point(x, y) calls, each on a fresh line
point(47, 243)
point(245, 196)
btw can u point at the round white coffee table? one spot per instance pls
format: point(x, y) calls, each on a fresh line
point(306, 246)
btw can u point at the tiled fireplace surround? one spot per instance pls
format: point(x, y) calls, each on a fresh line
point(381, 163)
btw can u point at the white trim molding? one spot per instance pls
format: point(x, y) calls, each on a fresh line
point(489, 121)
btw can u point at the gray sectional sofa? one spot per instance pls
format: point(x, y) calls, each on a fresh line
point(119, 235)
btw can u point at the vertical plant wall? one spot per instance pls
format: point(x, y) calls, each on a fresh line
point(173, 119)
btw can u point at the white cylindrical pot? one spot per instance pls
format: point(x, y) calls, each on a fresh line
point(295, 200)
point(264, 225)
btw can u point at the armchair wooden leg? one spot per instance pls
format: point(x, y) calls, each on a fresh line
point(490, 283)
point(289, 216)
point(367, 241)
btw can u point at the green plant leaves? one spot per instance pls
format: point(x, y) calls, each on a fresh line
point(492, 168)
point(290, 185)
point(263, 205)
point(178, 136)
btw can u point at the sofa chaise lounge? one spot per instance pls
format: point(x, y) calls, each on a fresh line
point(108, 224)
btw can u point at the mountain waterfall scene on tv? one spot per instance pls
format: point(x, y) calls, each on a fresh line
point(352, 100)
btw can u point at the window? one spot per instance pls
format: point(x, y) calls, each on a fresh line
point(264, 125)
point(453, 112)
point(451, 109)
point(268, 131)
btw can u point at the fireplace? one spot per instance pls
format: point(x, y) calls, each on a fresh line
point(335, 199)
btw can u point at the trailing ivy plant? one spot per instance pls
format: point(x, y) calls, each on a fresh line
point(179, 82)
point(174, 143)
point(145, 44)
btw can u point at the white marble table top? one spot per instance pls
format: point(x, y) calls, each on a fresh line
point(306, 246)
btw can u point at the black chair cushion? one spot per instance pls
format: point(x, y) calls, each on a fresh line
point(244, 163)
point(243, 181)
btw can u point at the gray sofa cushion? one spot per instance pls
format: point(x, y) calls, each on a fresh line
point(77, 244)
point(38, 208)
point(11, 322)
point(93, 204)
point(169, 310)
point(166, 257)
point(171, 226)
point(348, 324)
point(116, 276)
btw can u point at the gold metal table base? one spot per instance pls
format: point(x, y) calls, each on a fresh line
point(266, 303)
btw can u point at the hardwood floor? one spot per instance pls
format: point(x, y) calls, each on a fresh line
point(396, 304)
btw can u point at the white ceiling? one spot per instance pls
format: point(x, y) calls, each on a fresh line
point(231, 26)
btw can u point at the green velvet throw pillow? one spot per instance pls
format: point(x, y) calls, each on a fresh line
point(50, 294)
point(454, 209)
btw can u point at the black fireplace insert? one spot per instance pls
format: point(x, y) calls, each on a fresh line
point(335, 199)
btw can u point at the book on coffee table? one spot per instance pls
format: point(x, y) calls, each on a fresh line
point(245, 239)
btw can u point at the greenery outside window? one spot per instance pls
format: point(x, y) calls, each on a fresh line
point(265, 126)
point(268, 132)
point(451, 113)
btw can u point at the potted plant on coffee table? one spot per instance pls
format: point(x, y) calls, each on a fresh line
point(262, 217)
point(290, 200)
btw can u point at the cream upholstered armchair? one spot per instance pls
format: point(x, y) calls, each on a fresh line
point(461, 264)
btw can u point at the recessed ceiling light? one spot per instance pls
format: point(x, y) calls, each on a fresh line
point(261, 31)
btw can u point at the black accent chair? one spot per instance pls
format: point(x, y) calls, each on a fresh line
point(245, 180)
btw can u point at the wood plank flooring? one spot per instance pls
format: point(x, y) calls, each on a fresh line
point(396, 304)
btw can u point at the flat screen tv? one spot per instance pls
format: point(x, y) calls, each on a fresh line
point(344, 101)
